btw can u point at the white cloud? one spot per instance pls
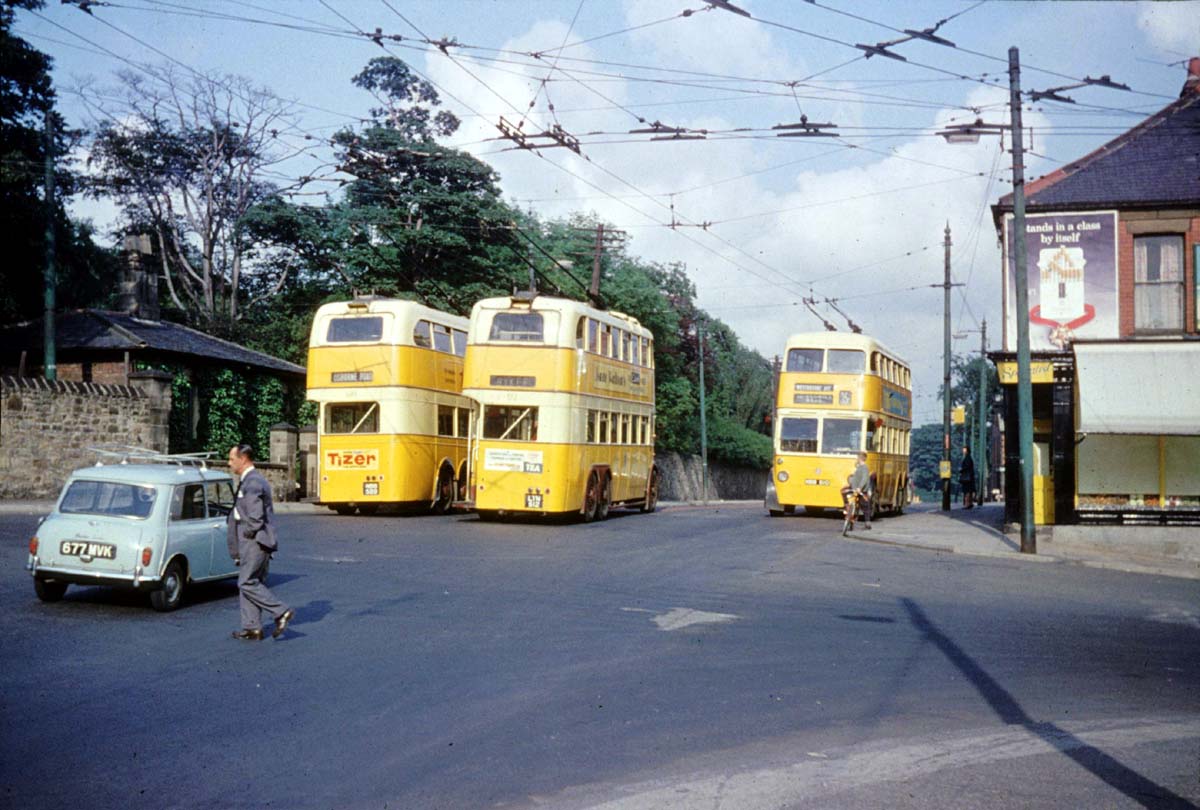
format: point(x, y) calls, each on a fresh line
point(823, 215)
point(1172, 27)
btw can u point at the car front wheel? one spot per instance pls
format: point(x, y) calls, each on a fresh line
point(170, 595)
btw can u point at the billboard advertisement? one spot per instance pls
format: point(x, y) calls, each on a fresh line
point(1071, 269)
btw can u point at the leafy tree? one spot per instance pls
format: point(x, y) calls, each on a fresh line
point(186, 158)
point(85, 272)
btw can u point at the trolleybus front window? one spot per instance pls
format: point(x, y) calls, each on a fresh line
point(798, 435)
point(352, 417)
point(841, 437)
point(355, 330)
point(804, 359)
point(518, 327)
point(846, 361)
point(516, 424)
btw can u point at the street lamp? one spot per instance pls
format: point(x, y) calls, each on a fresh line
point(969, 133)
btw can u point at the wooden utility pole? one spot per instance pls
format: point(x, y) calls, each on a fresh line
point(946, 463)
point(50, 276)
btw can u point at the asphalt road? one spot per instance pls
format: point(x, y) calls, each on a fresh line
point(689, 658)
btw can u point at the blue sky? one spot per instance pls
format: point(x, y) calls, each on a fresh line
point(858, 218)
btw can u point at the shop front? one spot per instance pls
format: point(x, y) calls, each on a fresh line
point(1137, 426)
point(1053, 376)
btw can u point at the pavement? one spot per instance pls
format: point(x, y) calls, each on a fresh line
point(980, 532)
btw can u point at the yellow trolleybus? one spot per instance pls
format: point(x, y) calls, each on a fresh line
point(839, 393)
point(565, 394)
point(393, 424)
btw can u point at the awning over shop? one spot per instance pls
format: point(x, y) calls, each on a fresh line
point(1135, 387)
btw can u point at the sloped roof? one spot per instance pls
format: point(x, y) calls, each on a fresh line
point(92, 329)
point(1154, 165)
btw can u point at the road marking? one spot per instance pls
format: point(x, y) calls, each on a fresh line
point(884, 761)
point(1188, 618)
point(637, 610)
point(679, 618)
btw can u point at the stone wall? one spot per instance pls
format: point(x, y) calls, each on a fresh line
point(46, 427)
point(681, 480)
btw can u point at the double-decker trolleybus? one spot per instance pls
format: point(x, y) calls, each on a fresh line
point(565, 420)
point(393, 424)
point(839, 394)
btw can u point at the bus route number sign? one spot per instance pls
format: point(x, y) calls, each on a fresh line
point(352, 459)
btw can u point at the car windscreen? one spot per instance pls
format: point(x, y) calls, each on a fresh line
point(108, 498)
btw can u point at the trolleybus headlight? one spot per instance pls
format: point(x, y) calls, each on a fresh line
point(783, 476)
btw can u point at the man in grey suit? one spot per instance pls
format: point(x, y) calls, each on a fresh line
point(250, 533)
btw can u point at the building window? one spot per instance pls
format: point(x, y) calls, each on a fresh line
point(1158, 283)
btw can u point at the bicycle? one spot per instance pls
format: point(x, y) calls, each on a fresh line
point(857, 505)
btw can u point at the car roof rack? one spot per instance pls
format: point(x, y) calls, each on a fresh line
point(131, 454)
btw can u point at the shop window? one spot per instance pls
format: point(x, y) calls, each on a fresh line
point(1158, 283)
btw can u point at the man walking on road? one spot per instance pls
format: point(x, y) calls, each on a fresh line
point(966, 479)
point(250, 532)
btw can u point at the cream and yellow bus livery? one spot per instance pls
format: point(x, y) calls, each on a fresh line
point(839, 393)
point(565, 398)
point(393, 424)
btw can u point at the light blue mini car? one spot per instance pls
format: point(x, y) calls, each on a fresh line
point(154, 527)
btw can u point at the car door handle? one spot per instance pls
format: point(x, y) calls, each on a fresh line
point(217, 526)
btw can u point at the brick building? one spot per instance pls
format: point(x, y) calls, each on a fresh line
point(1113, 250)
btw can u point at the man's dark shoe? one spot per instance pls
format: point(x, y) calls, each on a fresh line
point(282, 622)
point(248, 635)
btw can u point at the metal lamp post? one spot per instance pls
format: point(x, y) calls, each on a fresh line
point(969, 133)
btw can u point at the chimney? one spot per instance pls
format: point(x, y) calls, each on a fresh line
point(138, 289)
point(1192, 84)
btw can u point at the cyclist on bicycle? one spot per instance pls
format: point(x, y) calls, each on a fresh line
point(859, 485)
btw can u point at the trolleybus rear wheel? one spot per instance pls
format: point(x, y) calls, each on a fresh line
point(445, 492)
point(605, 499)
point(591, 498)
point(651, 492)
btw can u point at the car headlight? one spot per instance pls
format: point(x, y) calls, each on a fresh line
point(783, 476)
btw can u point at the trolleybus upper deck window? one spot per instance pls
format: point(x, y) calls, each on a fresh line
point(421, 335)
point(798, 435)
point(519, 327)
point(355, 329)
point(846, 361)
point(804, 359)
